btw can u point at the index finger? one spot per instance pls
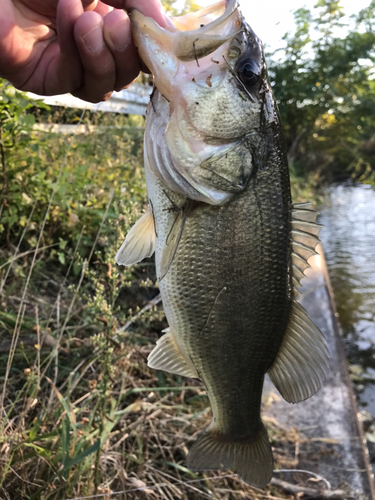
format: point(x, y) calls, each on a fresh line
point(149, 8)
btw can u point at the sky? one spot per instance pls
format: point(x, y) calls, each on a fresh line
point(271, 19)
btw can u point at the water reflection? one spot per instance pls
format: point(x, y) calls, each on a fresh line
point(349, 244)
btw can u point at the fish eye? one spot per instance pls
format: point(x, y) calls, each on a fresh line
point(248, 73)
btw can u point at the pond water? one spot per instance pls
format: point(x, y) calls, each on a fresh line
point(348, 240)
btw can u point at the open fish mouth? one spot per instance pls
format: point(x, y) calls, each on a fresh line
point(189, 38)
point(201, 33)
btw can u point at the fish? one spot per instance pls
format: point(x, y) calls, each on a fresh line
point(230, 246)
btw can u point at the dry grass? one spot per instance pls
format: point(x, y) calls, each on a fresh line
point(138, 433)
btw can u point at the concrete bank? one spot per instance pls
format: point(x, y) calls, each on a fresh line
point(333, 444)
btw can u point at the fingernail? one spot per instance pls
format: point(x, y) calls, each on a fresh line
point(93, 40)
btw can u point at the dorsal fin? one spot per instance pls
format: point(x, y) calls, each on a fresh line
point(305, 238)
point(302, 362)
point(139, 242)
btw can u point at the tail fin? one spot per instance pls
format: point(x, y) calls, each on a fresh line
point(251, 458)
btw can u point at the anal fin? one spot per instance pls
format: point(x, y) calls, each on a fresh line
point(302, 362)
point(168, 357)
point(139, 242)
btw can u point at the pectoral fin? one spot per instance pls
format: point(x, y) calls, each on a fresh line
point(302, 362)
point(167, 356)
point(174, 237)
point(139, 242)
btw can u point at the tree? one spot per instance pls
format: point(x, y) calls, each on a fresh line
point(325, 89)
point(189, 6)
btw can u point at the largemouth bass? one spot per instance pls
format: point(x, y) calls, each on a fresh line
point(230, 246)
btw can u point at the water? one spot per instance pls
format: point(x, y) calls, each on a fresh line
point(349, 245)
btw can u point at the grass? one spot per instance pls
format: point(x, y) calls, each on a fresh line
point(81, 414)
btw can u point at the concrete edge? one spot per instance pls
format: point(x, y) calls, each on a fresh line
point(338, 333)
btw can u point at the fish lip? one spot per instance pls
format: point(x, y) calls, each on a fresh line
point(230, 6)
point(210, 33)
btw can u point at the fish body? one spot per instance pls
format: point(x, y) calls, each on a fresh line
point(230, 247)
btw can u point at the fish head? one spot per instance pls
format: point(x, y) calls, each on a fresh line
point(209, 68)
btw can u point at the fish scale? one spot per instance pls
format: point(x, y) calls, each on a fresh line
point(230, 247)
point(253, 265)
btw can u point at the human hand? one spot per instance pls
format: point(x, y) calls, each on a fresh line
point(83, 47)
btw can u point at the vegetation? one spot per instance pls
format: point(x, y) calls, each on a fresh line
point(325, 87)
point(80, 412)
point(189, 6)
